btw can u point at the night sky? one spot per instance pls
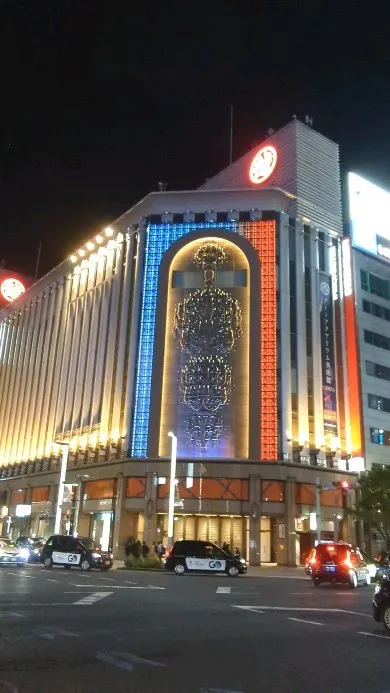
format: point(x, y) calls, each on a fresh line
point(101, 100)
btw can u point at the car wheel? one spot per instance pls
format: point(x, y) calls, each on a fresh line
point(368, 579)
point(232, 571)
point(48, 563)
point(179, 569)
point(386, 618)
point(316, 582)
point(353, 583)
point(85, 565)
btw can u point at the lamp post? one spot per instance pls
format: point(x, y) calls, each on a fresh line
point(60, 497)
point(171, 502)
point(80, 478)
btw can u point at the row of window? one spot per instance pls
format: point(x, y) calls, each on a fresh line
point(378, 340)
point(377, 370)
point(374, 285)
point(376, 310)
point(379, 403)
point(379, 436)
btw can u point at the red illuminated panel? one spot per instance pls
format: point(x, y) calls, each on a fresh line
point(353, 375)
point(262, 165)
point(262, 235)
point(11, 288)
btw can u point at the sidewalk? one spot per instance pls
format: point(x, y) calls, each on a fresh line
point(273, 570)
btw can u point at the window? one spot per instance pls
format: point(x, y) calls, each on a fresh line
point(379, 403)
point(379, 436)
point(376, 310)
point(378, 340)
point(374, 285)
point(377, 370)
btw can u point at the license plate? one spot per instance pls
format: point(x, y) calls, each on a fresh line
point(330, 568)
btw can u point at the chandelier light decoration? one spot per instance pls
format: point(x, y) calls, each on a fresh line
point(207, 325)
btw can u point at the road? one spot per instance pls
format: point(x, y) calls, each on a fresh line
point(71, 632)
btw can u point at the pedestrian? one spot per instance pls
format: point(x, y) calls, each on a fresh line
point(160, 550)
point(226, 547)
point(237, 552)
point(144, 550)
point(154, 547)
point(128, 545)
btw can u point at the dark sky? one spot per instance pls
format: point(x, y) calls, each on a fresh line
point(101, 100)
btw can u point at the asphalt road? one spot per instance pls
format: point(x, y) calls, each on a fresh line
point(71, 632)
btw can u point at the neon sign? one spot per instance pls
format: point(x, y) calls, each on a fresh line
point(11, 289)
point(263, 165)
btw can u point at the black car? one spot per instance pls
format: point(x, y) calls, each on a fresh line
point(34, 546)
point(71, 551)
point(203, 557)
point(381, 602)
point(338, 562)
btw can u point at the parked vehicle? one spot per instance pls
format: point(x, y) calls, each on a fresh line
point(381, 602)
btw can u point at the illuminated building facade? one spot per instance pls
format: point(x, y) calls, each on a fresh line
point(216, 313)
point(367, 260)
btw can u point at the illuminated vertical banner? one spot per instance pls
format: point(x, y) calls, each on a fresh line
point(329, 396)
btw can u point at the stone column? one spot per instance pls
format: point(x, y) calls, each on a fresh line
point(291, 535)
point(150, 517)
point(254, 519)
point(118, 512)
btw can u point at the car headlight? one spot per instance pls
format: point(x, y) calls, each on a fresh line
point(36, 550)
point(243, 561)
point(96, 555)
point(24, 553)
point(377, 589)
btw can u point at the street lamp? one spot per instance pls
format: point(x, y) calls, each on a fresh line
point(80, 478)
point(60, 497)
point(171, 502)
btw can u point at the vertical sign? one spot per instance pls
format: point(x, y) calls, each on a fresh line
point(328, 355)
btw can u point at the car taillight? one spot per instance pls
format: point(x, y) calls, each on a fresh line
point(348, 562)
point(313, 560)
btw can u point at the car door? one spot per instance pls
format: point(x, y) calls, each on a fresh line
point(196, 558)
point(60, 555)
point(217, 559)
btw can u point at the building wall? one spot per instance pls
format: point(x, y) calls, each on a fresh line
point(371, 384)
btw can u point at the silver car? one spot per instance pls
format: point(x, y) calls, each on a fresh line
point(10, 554)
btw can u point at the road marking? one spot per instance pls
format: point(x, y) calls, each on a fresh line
point(130, 583)
point(124, 660)
point(302, 593)
point(224, 590)
point(217, 690)
point(280, 577)
point(110, 579)
point(14, 574)
point(51, 580)
point(122, 587)
point(302, 620)
point(373, 635)
point(92, 598)
point(11, 613)
point(52, 632)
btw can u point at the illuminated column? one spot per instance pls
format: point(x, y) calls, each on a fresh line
point(82, 349)
point(5, 386)
point(98, 380)
point(119, 510)
point(37, 378)
point(344, 354)
point(31, 376)
point(134, 337)
point(303, 420)
point(56, 359)
point(16, 450)
point(40, 418)
point(291, 538)
point(70, 325)
point(285, 346)
point(316, 341)
point(122, 338)
point(96, 301)
point(112, 340)
point(15, 408)
point(7, 427)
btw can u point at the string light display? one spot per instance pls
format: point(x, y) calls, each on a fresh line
point(207, 324)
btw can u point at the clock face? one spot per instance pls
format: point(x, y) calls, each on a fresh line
point(325, 288)
point(262, 165)
point(11, 289)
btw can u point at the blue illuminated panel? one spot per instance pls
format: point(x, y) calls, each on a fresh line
point(159, 237)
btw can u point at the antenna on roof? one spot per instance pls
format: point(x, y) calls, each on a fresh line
point(309, 120)
point(294, 117)
point(270, 132)
point(162, 186)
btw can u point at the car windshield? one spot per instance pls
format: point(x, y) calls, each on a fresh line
point(89, 544)
point(331, 552)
